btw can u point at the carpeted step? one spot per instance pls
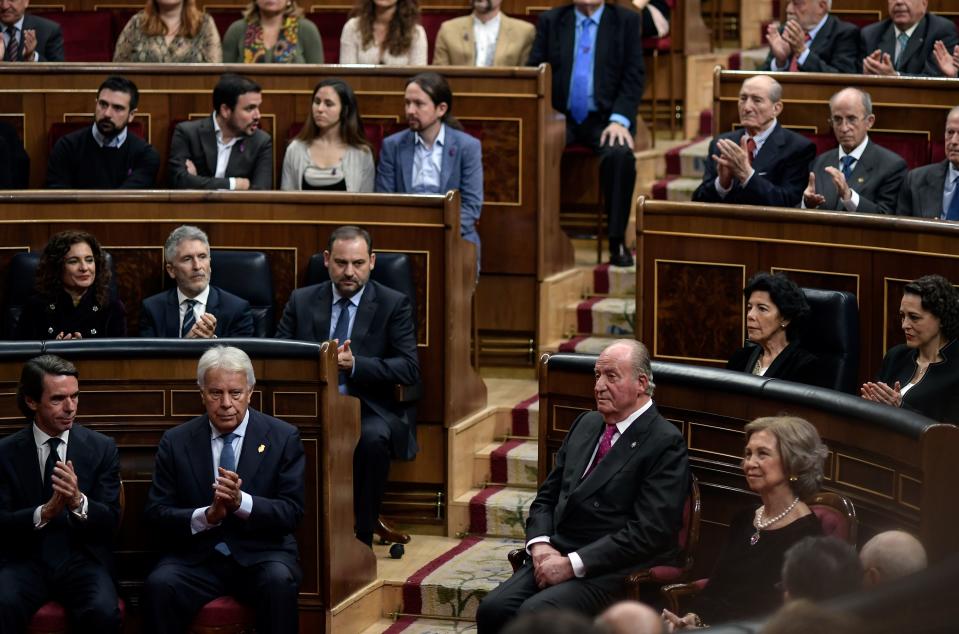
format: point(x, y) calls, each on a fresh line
point(605, 316)
point(498, 510)
point(660, 189)
point(413, 625)
point(692, 159)
point(525, 417)
point(586, 345)
point(682, 189)
point(614, 281)
point(454, 583)
point(513, 461)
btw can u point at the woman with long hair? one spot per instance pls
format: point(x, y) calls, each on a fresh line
point(167, 32)
point(384, 32)
point(273, 32)
point(331, 151)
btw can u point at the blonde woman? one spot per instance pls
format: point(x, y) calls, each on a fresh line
point(273, 32)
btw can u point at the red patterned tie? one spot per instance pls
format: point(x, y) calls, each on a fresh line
point(794, 64)
point(605, 442)
point(751, 149)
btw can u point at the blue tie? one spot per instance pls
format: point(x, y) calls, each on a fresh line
point(228, 462)
point(189, 319)
point(579, 97)
point(953, 212)
point(903, 40)
point(342, 331)
point(847, 162)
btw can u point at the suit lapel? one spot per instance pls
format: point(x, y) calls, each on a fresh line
point(823, 39)
point(406, 160)
point(28, 463)
point(827, 188)
point(887, 43)
point(238, 162)
point(364, 316)
point(770, 151)
point(604, 33)
point(619, 455)
point(583, 450)
point(213, 307)
point(250, 455)
point(200, 453)
point(171, 315)
point(933, 192)
point(450, 159)
point(322, 317)
point(464, 39)
point(915, 43)
point(208, 143)
point(567, 30)
point(502, 40)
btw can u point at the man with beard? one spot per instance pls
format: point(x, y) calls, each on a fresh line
point(226, 150)
point(858, 175)
point(106, 155)
point(372, 326)
point(486, 37)
point(932, 191)
point(194, 309)
point(28, 38)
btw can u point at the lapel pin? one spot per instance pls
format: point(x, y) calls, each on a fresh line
point(861, 180)
point(261, 449)
point(632, 445)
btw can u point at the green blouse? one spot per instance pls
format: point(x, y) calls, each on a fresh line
point(308, 48)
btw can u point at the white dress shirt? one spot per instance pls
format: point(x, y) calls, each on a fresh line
point(223, 151)
point(40, 438)
point(760, 140)
point(485, 34)
point(198, 521)
point(199, 309)
point(428, 163)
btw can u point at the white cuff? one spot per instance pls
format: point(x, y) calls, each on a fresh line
point(37, 516)
point(246, 505)
point(198, 522)
point(542, 539)
point(722, 191)
point(578, 568)
point(232, 183)
point(853, 203)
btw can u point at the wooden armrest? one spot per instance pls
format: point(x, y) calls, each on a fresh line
point(675, 592)
point(517, 558)
point(407, 393)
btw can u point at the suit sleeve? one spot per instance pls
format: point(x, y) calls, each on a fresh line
point(706, 192)
point(163, 510)
point(53, 51)
point(633, 79)
point(311, 41)
point(542, 510)
point(179, 153)
point(262, 177)
point(401, 364)
point(280, 513)
point(287, 328)
point(103, 496)
point(657, 513)
point(845, 54)
point(761, 191)
point(144, 171)
point(441, 54)
point(888, 191)
point(386, 174)
point(242, 324)
point(904, 206)
point(471, 186)
point(540, 47)
point(59, 174)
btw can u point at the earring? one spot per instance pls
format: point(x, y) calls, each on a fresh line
point(783, 325)
point(793, 478)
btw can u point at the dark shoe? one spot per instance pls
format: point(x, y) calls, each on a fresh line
point(619, 255)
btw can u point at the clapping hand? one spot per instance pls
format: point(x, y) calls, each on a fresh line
point(880, 392)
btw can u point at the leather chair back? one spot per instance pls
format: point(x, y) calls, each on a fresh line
point(392, 269)
point(832, 333)
point(247, 274)
point(837, 515)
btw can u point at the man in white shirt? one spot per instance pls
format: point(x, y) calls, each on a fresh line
point(612, 503)
point(485, 37)
point(813, 41)
point(59, 507)
point(28, 38)
point(858, 175)
point(932, 191)
point(904, 43)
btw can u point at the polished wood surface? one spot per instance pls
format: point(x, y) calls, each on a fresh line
point(693, 260)
point(290, 227)
point(135, 398)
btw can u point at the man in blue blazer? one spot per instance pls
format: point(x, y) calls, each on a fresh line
point(434, 155)
point(57, 528)
point(194, 309)
point(762, 164)
point(373, 327)
point(33, 39)
point(227, 495)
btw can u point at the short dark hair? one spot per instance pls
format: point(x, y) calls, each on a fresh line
point(350, 232)
point(228, 90)
point(821, 568)
point(439, 91)
point(785, 294)
point(116, 83)
point(31, 379)
point(940, 298)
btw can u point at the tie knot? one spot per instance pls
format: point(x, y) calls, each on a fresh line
point(54, 443)
point(228, 438)
point(343, 302)
point(847, 160)
point(190, 303)
point(610, 431)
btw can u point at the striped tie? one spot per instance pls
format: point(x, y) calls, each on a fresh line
point(189, 319)
point(12, 52)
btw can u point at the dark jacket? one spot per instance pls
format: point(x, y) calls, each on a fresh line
point(45, 317)
point(919, 57)
point(792, 364)
point(160, 314)
point(936, 395)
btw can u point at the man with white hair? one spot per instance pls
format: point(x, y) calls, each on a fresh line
point(891, 555)
point(812, 41)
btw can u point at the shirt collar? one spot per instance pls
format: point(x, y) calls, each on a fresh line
point(103, 141)
point(951, 174)
point(440, 139)
point(762, 136)
point(815, 29)
point(623, 425)
point(18, 24)
point(910, 30)
point(239, 431)
point(490, 25)
point(581, 17)
point(201, 298)
point(857, 151)
point(41, 437)
point(219, 134)
point(355, 300)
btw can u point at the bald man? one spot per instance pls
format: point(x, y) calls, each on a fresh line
point(630, 617)
point(763, 163)
point(891, 555)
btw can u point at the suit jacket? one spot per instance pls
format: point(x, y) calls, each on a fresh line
point(97, 465)
point(251, 158)
point(627, 513)
point(782, 171)
point(794, 363)
point(835, 49)
point(14, 160)
point(877, 177)
point(160, 314)
point(618, 75)
point(462, 169)
point(383, 342)
point(919, 58)
point(49, 38)
point(273, 476)
point(936, 395)
point(922, 193)
point(456, 44)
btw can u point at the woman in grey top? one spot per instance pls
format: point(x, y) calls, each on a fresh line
point(331, 151)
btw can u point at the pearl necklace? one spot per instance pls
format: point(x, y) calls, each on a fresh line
point(760, 524)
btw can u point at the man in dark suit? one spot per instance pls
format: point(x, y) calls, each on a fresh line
point(14, 160)
point(226, 150)
point(59, 507)
point(813, 41)
point(28, 38)
point(598, 78)
point(858, 175)
point(932, 191)
point(904, 43)
point(236, 536)
point(765, 165)
point(194, 309)
point(372, 326)
point(612, 503)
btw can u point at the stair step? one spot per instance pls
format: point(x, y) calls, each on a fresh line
point(586, 344)
point(605, 316)
point(614, 281)
point(421, 625)
point(513, 461)
point(525, 417)
point(682, 189)
point(497, 510)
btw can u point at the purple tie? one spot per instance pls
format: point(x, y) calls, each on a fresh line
point(605, 442)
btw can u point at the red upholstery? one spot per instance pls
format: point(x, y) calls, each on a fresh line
point(330, 24)
point(914, 148)
point(57, 130)
point(224, 17)
point(938, 152)
point(224, 612)
point(87, 35)
point(120, 16)
point(834, 523)
point(52, 618)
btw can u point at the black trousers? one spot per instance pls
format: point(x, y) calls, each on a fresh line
point(83, 586)
point(617, 169)
point(371, 469)
point(175, 592)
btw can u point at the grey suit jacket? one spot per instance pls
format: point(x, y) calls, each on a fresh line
point(921, 195)
point(877, 177)
point(918, 58)
point(49, 38)
point(250, 158)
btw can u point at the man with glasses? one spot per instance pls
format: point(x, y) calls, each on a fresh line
point(227, 495)
point(858, 175)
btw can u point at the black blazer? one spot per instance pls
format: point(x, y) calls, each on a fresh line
point(49, 38)
point(936, 395)
point(14, 160)
point(97, 465)
point(383, 342)
point(44, 317)
point(877, 177)
point(160, 314)
point(835, 49)
point(792, 364)
point(627, 513)
point(271, 465)
point(919, 58)
point(922, 193)
point(782, 171)
point(618, 75)
point(250, 158)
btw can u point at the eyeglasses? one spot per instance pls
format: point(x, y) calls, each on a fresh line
point(838, 121)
